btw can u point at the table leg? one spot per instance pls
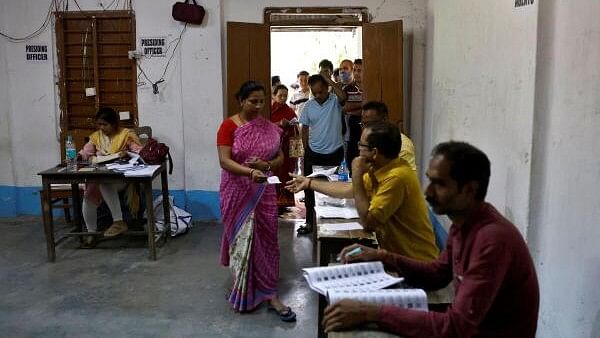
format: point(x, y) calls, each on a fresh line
point(150, 218)
point(76, 197)
point(48, 221)
point(165, 197)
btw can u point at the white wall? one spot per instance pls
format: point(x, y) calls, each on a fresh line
point(6, 163)
point(480, 73)
point(522, 84)
point(413, 15)
point(565, 212)
point(185, 115)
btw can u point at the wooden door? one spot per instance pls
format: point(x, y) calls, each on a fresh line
point(248, 58)
point(382, 67)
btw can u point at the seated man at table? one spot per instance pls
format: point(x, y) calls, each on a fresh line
point(376, 111)
point(387, 194)
point(496, 288)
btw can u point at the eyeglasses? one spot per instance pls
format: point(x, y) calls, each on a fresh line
point(364, 145)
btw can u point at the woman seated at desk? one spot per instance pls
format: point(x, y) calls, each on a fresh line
point(108, 139)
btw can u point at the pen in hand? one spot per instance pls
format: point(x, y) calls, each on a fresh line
point(350, 253)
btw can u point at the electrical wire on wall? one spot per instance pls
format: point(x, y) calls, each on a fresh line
point(53, 4)
point(162, 77)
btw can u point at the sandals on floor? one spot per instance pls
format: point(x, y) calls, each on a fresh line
point(116, 229)
point(286, 315)
point(89, 242)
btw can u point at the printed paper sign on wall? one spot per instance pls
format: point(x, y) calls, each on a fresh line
point(36, 53)
point(154, 46)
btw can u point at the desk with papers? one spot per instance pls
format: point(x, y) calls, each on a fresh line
point(142, 174)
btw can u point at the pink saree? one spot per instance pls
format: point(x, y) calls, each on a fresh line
point(249, 211)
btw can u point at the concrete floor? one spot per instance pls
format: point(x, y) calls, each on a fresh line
point(115, 291)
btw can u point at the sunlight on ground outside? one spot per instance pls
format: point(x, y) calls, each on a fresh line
point(292, 52)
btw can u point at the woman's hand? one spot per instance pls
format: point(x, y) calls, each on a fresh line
point(365, 254)
point(258, 176)
point(297, 183)
point(284, 123)
point(123, 154)
point(256, 163)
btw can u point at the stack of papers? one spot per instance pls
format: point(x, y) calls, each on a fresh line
point(142, 171)
point(324, 211)
point(356, 277)
point(328, 173)
point(340, 226)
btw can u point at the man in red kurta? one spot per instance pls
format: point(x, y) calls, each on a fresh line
point(496, 288)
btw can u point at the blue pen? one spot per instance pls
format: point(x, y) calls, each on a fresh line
point(350, 253)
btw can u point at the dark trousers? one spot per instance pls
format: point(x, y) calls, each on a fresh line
point(312, 158)
point(354, 131)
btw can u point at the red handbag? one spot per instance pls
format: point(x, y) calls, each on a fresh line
point(188, 12)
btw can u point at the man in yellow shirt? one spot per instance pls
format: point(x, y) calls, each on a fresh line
point(387, 193)
point(375, 111)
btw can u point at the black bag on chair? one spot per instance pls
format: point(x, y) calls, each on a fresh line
point(188, 12)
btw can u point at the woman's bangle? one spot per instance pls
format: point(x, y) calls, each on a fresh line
point(251, 172)
point(268, 166)
point(309, 182)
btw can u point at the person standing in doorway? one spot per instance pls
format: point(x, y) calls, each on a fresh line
point(299, 98)
point(321, 133)
point(281, 115)
point(352, 109)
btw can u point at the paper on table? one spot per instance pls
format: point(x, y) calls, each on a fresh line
point(323, 173)
point(143, 172)
point(341, 226)
point(273, 180)
point(415, 299)
point(324, 211)
point(358, 277)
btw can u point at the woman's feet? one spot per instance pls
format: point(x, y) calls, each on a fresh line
point(116, 229)
point(89, 242)
point(284, 312)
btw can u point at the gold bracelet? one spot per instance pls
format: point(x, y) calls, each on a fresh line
point(251, 171)
point(309, 182)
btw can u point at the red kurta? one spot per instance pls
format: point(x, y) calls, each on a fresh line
point(497, 292)
point(279, 112)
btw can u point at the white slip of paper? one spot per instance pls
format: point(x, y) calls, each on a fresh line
point(143, 172)
point(341, 226)
point(324, 211)
point(273, 180)
point(358, 276)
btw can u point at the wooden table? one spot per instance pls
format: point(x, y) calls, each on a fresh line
point(329, 244)
point(58, 174)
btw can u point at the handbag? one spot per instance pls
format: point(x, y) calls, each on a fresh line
point(156, 153)
point(188, 12)
point(296, 146)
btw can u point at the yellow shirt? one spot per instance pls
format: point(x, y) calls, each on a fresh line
point(407, 151)
point(397, 203)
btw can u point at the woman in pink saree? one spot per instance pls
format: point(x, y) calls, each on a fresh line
point(249, 149)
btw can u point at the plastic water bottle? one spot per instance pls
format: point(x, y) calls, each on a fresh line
point(343, 173)
point(70, 154)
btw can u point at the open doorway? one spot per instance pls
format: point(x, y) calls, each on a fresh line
point(249, 45)
point(295, 49)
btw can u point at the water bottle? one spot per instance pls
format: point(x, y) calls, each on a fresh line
point(343, 173)
point(299, 168)
point(70, 154)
